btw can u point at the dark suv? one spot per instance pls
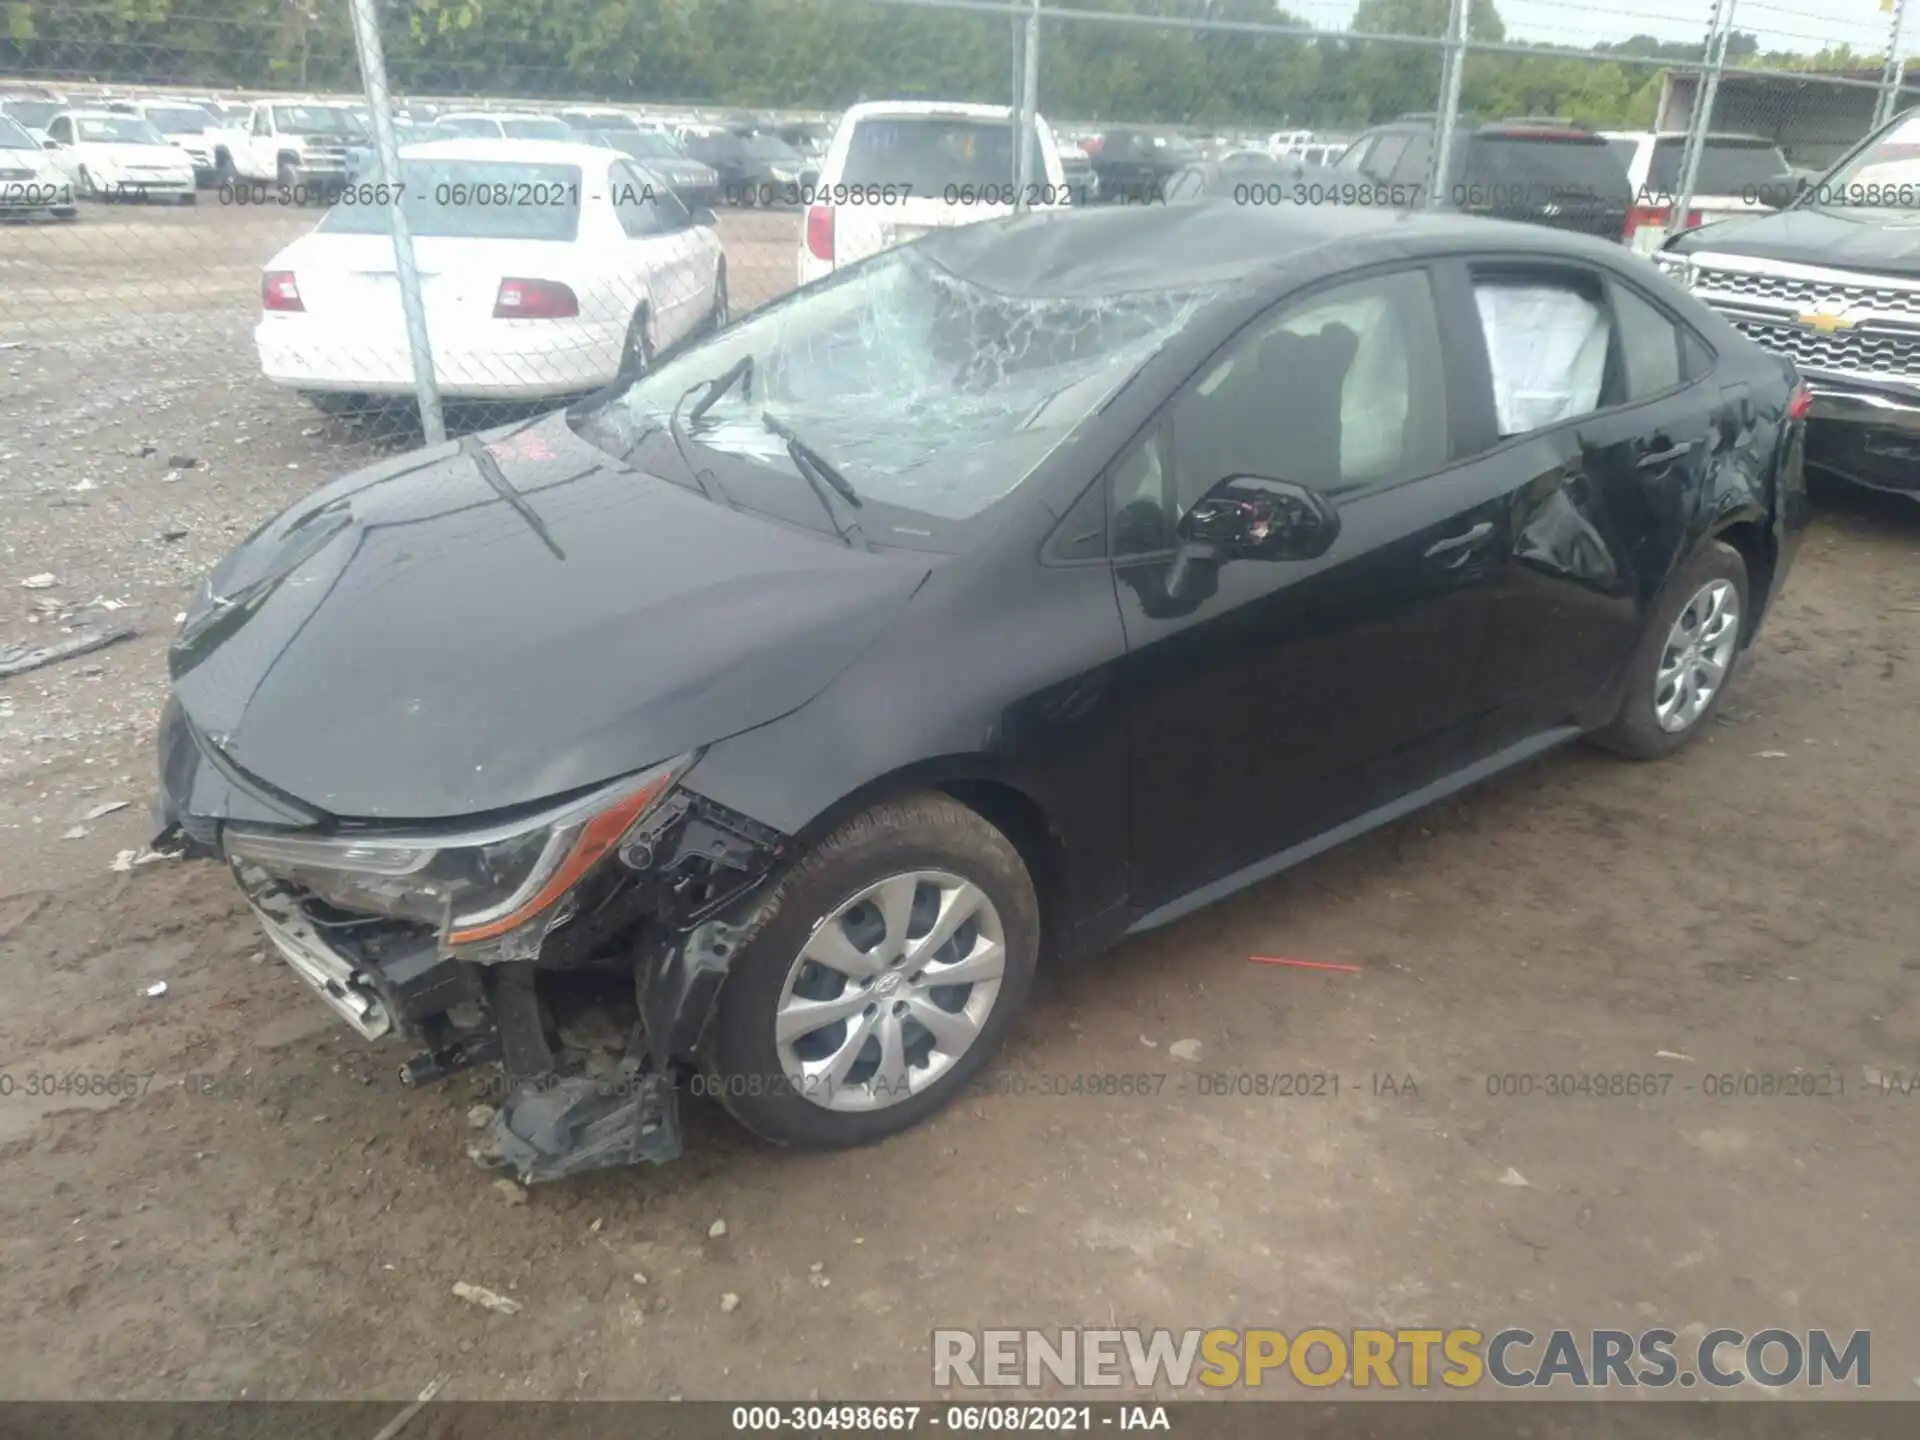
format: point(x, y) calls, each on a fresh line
point(1542, 171)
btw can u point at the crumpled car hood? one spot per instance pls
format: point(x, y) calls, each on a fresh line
point(414, 642)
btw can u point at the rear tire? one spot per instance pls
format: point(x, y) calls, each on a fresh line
point(718, 317)
point(1716, 574)
point(950, 861)
point(636, 351)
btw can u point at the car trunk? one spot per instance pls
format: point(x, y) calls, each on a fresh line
point(343, 277)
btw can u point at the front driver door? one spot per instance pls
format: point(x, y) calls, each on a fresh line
point(1277, 699)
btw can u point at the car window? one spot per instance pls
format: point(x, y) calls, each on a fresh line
point(61, 130)
point(119, 130)
point(1386, 154)
point(1411, 169)
point(536, 128)
point(1341, 391)
point(260, 126)
point(934, 153)
point(33, 114)
point(1546, 163)
point(470, 199)
point(1729, 165)
point(635, 201)
point(1652, 348)
point(1548, 339)
point(1356, 154)
point(1624, 151)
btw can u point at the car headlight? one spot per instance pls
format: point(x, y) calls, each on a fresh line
point(1675, 266)
point(475, 885)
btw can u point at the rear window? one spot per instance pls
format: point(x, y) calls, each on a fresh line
point(32, 113)
point(475, 200)
point(1552, 165)
point(179, 119)
point(1727, 167)
point(931, 153)
point(537, 129)
point(467, 127)
point(119, 130)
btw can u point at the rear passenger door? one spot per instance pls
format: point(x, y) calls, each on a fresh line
point(1596, 408)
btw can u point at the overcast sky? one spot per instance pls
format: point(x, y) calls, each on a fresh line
point(1798, 25)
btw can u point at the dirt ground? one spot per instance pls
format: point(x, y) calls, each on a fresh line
point(295, 1227)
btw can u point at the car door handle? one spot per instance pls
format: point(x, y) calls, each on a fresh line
point(1654, 459)
point(1458, 545)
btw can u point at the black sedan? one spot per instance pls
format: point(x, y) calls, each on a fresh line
point(1017, 590)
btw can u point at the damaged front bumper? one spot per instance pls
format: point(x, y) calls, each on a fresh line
point(592, 1010)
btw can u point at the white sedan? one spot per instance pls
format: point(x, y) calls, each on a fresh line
point(119, 157)
point(547, 268)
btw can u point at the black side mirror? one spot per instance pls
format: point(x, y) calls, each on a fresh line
point(49, 144)
point(1251, 517)
point(703, 215)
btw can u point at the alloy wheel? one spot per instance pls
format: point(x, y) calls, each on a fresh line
point(1694, 662)
point(890, 990)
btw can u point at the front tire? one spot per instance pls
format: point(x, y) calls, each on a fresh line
point(1686, 656)
point(335, 403)
point(882, 973)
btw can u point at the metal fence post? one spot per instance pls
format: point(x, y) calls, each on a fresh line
point(1701, 121)
point(1023, 140)
point(1893, 75)
point(1453, 63)
point(373, 74)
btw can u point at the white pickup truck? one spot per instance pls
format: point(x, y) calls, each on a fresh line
point(299, 146)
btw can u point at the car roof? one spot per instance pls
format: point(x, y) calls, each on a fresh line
point(494, 147)
point(1107, 250)
point(95, 115)
point(943, 109)
point(497, 115)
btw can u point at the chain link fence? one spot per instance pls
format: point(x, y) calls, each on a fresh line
point(221, 208)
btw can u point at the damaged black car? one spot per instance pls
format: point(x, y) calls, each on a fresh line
point(755, 728)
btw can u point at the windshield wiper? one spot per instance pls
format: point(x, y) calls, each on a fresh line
point(679, 434)
point(719, 385)
point(819, 473)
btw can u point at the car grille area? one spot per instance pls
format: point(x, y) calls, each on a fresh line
point(1872, 356)
point(1830, 325)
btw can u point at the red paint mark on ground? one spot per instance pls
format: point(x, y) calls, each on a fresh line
point(1302, 964)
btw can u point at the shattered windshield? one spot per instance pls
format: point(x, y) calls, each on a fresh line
point(926, 391)
point(1883, 177)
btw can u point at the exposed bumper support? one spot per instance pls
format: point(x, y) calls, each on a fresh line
point(1867, 437)
point(1853, 406)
